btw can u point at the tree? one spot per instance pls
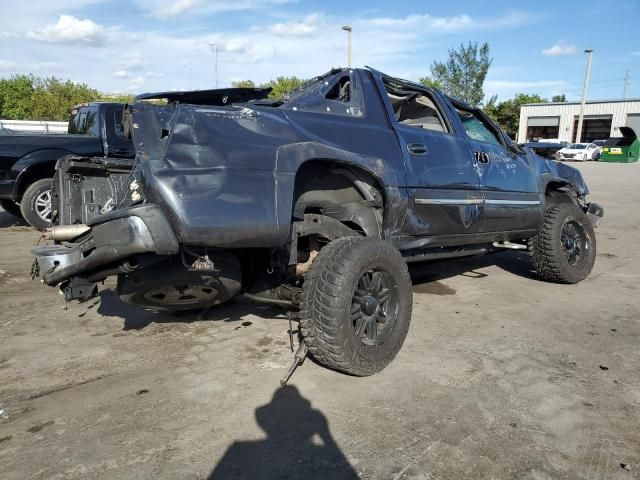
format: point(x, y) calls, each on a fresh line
point(430, 82)
point(53, 98)
point(243, 84)
point(463, 74)
point(16, 97)
point(282, 86)
point(559, 98)
point(507, 113)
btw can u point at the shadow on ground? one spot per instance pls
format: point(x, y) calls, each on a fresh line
point(8, 220)
point(514, 262)
point(137, 318)
point(298, 445)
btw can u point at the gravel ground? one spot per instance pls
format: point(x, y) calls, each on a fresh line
point(502, 376)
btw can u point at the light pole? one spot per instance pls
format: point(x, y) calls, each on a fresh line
point(584, 96)
point(348, 29)
point(215, 67)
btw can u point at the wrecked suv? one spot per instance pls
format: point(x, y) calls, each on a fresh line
point(317, 203)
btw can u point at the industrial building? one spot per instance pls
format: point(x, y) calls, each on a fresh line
point(602, 119)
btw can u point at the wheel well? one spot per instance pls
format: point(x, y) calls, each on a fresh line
point(559, 192)
point(344, 192)
point(33, 174)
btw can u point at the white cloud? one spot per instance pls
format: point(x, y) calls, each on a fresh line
point(162, 8)
point(7, 66)
point(136, 84)
point(297, 29)
point(559, 49)
point(121, 74)
point(432, 25)
point(636, 53)
point(71, 30)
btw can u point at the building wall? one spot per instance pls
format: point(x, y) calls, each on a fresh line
point(567, 112)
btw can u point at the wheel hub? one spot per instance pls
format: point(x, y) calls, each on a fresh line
point(374, 308)
point(181, 294)
point(43, 205)
point(574, 242)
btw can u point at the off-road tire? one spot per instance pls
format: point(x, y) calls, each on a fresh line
point(11, 207)
point(326, 309)
point(28, 203)
point(137, 287)
point(547, 251)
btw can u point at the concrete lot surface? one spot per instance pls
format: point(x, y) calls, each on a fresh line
point(502, 376)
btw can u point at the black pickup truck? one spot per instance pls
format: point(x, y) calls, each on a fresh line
point(317, 202)
point(27, 162)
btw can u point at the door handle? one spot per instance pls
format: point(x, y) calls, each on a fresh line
point(481, 157)
point(417, 149)
point(122, 151)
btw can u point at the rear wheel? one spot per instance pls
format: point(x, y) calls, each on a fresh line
point(356, 305)
point(171, 287)
point(11, 207)
point(36, 204)
point(564, 250)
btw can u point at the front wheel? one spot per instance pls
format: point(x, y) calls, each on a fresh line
point(356, 305)
point(36, 205)
point(564, 250)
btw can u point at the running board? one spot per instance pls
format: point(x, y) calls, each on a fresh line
point(510, 245)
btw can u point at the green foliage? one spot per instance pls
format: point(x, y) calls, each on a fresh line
point(116, 98)
point(26, 97)
point(463, 74)
point(507, 113)
point(16, 95)
point(282, 86)
point(53, 98)
point(559, 98)
point(243, 84)
point(430, 82)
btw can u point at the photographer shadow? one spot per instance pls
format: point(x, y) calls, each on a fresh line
point(298, 445)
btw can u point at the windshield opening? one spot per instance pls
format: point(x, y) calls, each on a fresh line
point(578, 146)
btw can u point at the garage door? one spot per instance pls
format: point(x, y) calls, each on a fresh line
point(593, 128)
point(633, 121)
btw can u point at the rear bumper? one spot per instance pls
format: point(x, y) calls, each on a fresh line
point(113, 238)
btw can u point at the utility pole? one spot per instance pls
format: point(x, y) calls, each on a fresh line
point(584, 95)
point(348, 29)
point(626, 82)
point(215, 53)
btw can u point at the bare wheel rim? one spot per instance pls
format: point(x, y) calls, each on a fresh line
point(573, 239)
point(375, 307)
point(42, 205)
point(181, 295)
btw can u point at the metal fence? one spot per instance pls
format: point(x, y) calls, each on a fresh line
point(27, 126)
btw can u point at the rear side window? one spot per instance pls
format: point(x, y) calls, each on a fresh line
point(117, 123)
point(477, 128)
point(78, 123)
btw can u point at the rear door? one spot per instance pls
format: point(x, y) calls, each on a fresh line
point(508, 179)
point(118, 145)
point(443, 185)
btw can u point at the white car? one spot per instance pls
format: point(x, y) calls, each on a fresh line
point(579, 151)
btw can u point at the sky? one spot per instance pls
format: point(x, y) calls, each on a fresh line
point(156, 45)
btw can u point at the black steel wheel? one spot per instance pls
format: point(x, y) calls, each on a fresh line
point(564, 249)
point(356, 305)
point(169, 286)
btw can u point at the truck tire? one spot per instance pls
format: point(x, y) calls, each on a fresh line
point(356, 305)
point(564, 249)
point(11, 207)
point(36, 204)
point(169, 286)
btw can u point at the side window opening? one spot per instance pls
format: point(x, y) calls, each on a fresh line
point(341, 91)
point(416, 109)
point(477, 128)
point(117, 123)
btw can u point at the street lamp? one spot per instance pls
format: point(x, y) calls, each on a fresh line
point(348, 29)
point(584, 95)
point(215, 68)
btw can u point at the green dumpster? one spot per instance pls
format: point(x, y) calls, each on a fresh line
point(622, 149)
